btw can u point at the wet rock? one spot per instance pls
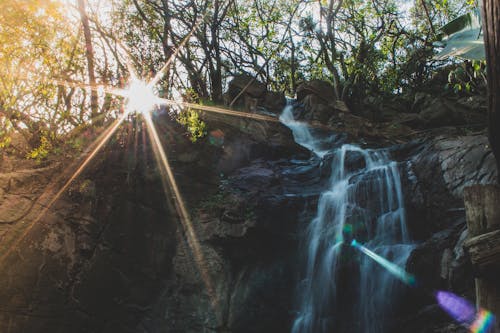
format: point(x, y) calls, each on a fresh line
point(430, 319)
point(438, 265)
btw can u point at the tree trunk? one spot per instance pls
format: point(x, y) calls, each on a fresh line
point(89, 53)
point(167, 48)
point(491, 27)
point(216, 63)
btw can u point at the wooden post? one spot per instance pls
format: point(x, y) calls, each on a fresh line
point(482, 209)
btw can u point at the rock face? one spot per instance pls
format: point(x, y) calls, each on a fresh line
point(435, 111)
point(438, 169)
point(111, 255)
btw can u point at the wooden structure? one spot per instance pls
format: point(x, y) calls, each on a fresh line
point(482, 207)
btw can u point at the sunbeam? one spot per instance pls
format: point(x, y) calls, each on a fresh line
point(220, 110)
point(180, 206)
point(140, 97)
point(97, 87)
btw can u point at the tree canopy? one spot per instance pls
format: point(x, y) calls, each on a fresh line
point(50, 51)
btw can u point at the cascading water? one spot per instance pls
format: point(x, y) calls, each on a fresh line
point(363, 198)
point(301, 132)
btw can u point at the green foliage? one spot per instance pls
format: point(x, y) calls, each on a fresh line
point(195, 126)
point(468, 78)
point(42, 151)
point(5, 135)
point(37, 47)
point(215, 201)
point(362, 47)
point(225, 202)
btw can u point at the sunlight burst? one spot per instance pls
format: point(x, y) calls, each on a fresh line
point(140, 97)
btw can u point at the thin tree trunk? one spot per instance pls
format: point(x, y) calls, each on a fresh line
point(293, 63)
point(89, 53)
point(491, 26)
point(167, 48)
point(428, 16)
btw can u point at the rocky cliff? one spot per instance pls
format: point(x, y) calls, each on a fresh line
point(111, 255)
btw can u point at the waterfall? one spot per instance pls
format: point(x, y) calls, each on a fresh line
point(301, 132)
point(364, 200)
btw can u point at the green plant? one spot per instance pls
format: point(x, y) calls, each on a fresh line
point(5, 139)
point(42, 151)
point(470, 77)
point(196, 127)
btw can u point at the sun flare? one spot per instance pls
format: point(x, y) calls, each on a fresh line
point(140, 97)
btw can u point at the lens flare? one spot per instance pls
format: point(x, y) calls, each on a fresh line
point(395, 270)
point(483, 323)
point(465, 312)
point(140, 97)
point(458, 308)
point(169, 180)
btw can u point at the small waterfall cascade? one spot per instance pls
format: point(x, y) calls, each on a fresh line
point(302, 133)
point(363, 199)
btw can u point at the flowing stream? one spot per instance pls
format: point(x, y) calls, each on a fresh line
point(363, 199)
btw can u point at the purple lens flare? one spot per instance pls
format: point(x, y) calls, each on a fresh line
point(464, 312)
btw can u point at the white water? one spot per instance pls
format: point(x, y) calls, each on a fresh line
point(301, 132)
point(366, 196)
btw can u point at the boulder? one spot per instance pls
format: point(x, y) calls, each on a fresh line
point(409, 119)
point(274, 101)
point(252, 86)
point(419, 100)
point(316, 110)
point(321, 89)
point(255, 95)
point(439, 112)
